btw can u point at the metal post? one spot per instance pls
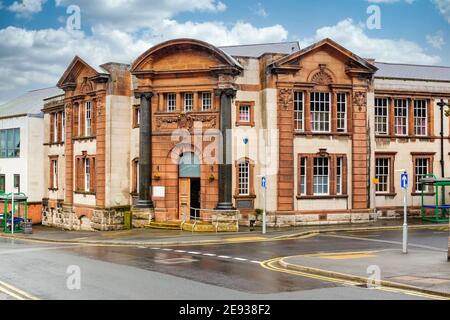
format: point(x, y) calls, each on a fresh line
point(264, 222)
point(405, 221)
point(12, 212)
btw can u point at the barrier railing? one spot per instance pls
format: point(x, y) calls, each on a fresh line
point(215, 217)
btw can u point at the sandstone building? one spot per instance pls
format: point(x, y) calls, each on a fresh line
point(318, 122)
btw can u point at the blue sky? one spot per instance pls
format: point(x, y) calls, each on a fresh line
point(36, 46)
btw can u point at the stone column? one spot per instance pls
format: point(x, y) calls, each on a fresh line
point(145, 151)
point(225, 167)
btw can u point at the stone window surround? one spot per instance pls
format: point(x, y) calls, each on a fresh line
point(251, 194)
point(411, 132)
point(391, 156)
point(332, 157)
point(134, 176)
point(250, 123)
point(79, 176)
point(79, 119)
point(52, 187)
point(136, 109)
point(422, 155)
point(307, 90)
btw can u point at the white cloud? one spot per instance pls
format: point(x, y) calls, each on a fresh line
point(131, 15)
point(443, 7)
point(38, 58)
point(26, 8)
point(436, 41)
point(354, 38)
point(261, 11)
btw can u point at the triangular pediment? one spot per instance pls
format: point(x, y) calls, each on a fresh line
point(353, 61)
point(73, 71)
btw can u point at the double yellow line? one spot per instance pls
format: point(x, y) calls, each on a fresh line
point(273, 265)
point(16, 293)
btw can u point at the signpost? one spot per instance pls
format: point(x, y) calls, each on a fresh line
point(404, 182)
point(264, 186)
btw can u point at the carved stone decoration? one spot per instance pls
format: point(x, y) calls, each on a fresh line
point(285, 98)
point(86, 86)
point(359, 99)
point(186, 121)
point(322, 78)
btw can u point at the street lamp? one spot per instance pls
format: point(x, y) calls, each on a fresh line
point(441, 105)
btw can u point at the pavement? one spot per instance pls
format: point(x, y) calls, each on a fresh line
point(421, 270)
point(178, 237)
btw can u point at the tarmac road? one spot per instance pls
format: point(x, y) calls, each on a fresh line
point(229, 271)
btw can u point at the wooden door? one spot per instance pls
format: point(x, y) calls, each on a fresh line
point(184, 197)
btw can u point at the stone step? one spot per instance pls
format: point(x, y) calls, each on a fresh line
point(167, 225)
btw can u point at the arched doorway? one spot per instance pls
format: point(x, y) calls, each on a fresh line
point(189, 184)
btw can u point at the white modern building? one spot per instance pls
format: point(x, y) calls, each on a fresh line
point(22, 149)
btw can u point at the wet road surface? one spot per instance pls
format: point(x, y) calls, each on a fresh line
point(229, 271)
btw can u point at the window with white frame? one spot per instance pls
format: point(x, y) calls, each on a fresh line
point(321, 176)
point(401, 117)
point(55, 127)
point(244, 113)
point(421, 169)
point(171, 102)
point(88, 119)
point(381, 116)
point(206, 101)
point(137, 175)
point(87, 174)
point(341, 112)
point(188, 102)
point(244, 178)
point(63, 133)
point(298, 110)
point(55, 174)
point(420, 117)
point(382, 173)
point(320, 111)
point(79, 109)
point(339, 174)
point(303, 170)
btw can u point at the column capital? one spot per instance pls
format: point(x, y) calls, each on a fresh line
point(139, 95)
point(229, 92)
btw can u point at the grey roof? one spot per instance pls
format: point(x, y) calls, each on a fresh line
point(30, 103)
point(410, 71)
point(257, 50)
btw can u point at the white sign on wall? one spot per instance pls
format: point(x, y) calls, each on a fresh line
point(159, 192)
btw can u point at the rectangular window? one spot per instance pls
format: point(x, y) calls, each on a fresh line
point(321, 176)
point(188, 102)
point(244, 113)
point(79, 109)
point(55, 127)
point(421, 169)
point(320, 112)
point(2, 183)
point(54, 174)
point(136, 163)
point(17, 182)
point(401, 117)
point(87, 175)
point(171, 102)
point(339, 174)
point(206, 101)
point(298, 111)
point(420, 117)
point(10, 143)
point(381, 116)
point(88, 119)
point(244, 178)
point(63, 129)
point(382, 173)
point(341, 112)
point(303, 162)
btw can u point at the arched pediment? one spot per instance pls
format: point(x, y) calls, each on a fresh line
point(170, 54)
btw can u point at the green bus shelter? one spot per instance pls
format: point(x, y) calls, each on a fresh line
point(441, 211)
point(14, 215)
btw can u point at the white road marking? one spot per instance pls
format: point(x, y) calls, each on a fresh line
point(193, 252)
point(224, 257)
point(156, 248)
point(180, 251)
point(240, 259)
point(167, 249)
point(254, 261)
point(210, 254)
